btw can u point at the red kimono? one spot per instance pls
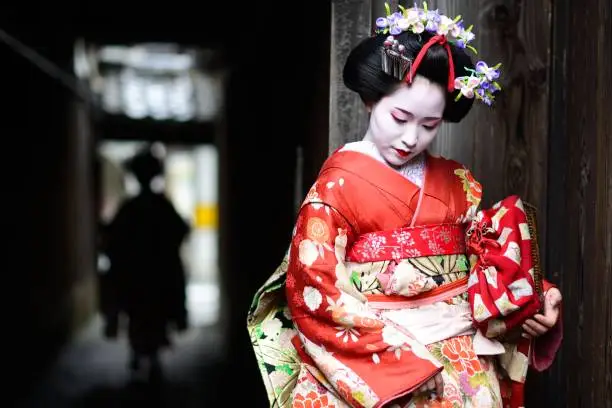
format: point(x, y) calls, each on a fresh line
point(375, 298)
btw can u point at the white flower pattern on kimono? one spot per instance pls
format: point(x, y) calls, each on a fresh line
point(272, 328)
point(373, 246)
point(412, 253)
point(308, 252)
point(346, 333)
point(396, 254)
point(312, 298)
point(331, 184)
point(403, 237)
point(396, 340)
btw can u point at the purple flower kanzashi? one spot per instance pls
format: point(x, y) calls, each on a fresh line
point(381, 22)
point(490, 73)
point(431, 26)
point(395, 30)
point(484, 96)
point(434, 16)
point(394, 17)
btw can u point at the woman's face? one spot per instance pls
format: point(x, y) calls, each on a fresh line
point(404, 123)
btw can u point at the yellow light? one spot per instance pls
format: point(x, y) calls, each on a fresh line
point(206, 216)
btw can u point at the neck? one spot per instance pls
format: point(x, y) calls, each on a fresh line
point(368, 138)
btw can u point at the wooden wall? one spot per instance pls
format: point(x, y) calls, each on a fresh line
point(548, 138)
point(580, 201)
point(348, 119)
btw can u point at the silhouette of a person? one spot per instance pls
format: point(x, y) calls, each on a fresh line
point(146, 275)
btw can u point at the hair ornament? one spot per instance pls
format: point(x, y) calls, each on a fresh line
point(394, 59)
point(480, 84)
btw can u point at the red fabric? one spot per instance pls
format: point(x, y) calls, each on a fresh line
point(382, 199)
point(436, 39)
point(501, 286)
point(354, 195)
point(545, 347)
point(408, 242)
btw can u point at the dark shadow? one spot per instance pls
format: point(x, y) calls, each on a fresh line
point(203, 390)
point(146, 281)
point(91, 372)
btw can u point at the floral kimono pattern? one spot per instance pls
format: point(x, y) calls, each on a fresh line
point(335, 325)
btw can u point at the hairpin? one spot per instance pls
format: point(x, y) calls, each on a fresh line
point(394, 59)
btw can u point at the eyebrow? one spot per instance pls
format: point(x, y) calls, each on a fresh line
point(410, 113)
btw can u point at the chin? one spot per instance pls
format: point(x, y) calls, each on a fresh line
point(395, 161)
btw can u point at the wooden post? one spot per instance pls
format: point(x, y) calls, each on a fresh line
point(580, 202)
point(348, 118)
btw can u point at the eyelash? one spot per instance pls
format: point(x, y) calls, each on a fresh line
point(398, 120)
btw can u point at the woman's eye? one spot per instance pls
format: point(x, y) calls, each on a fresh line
point(430, 127)
point(398, 119)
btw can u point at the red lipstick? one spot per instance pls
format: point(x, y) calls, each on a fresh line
point(402, 153)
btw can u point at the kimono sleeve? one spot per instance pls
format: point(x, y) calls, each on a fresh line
point(545, 347)
point(366, 360)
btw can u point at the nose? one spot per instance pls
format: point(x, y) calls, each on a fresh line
point(410, 137)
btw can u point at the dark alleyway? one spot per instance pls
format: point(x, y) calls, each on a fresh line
point(92, 372)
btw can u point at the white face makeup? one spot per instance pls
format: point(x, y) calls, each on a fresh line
point(404, 123)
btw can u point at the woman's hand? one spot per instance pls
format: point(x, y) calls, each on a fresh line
point(542, 323)
point(434, 384)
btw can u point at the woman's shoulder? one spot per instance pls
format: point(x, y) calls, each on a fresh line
point(445, 162)
point(452, 168)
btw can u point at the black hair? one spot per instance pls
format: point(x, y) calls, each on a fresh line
point(363, 74)
point(145, 166)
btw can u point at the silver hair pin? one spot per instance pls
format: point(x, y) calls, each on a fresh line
point(394, 59)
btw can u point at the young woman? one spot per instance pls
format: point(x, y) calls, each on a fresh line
point(396, 289)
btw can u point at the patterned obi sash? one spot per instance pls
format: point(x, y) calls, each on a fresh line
point(420, 314)
point(408, 242)
point(402, 244)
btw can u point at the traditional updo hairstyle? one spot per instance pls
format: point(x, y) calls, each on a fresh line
point(363, 73)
